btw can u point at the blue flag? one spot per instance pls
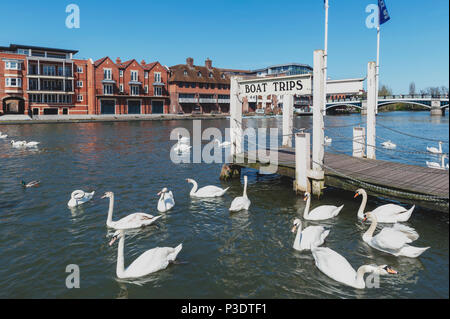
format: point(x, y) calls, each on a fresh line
point(384, 15)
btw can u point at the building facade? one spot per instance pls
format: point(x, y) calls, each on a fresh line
point(198, 89)
point(38, 80)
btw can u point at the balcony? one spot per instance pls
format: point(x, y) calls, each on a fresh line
point(207, 100)
point(223, 101)
point(188, 100)
point(158, 84)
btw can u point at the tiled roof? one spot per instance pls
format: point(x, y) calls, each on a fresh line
point(192, 74)
point(100, 61)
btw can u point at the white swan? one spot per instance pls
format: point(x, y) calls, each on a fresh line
point(151, 261)
point(435, 150)
point(392, 240)
point(338, 268)
point(320, 212)
point(3, 135)
point(328, 140)
point(241, 202)
point(389, 213)
point(182, 148)
point(311, 236)
point(183, 140)
point(389, 145)
point(437, 165)
point(206, 191)
point(18, 143)
point(32, 144)
point(79, 197)
point(223, 145)
point(166, 201)
point(131, 221)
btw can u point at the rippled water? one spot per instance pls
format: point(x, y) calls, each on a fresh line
point(245, 254)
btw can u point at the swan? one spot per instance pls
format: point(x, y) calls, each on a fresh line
point(241, 202)
point(392, 240)
point(435, 150)
point(18, 143)
point(328, 140)
point(3, 135)
point(389, 213)
point(31, 184)
point(31, 144)
point(338, 268)
point(182, 148)
point(166, 201)
point(311, 236)
point(183, 140)
point(152, 260)
point(223, 145)
point(135, 220)
point(389, 145)
point(437, 165)
point(206, 191)
point(79, 197)
point(320, 212)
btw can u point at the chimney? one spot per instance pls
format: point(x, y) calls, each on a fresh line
point(143, 62)
point(118, 61)
point(190, 62)
point(208, 63)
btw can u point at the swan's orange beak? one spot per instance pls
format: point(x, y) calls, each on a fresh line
point(305, 198)
point(356, 195)
point(294, 229)
point(113, 240)
point(391, 271)
point(364, 219)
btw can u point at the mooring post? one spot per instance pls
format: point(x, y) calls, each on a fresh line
point(317, 173)
point(235, 118)
point(288, 119)
point(359, 138)
point(371, 108)
point(302, 162)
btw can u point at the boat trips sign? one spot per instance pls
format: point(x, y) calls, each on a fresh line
point(286, 85)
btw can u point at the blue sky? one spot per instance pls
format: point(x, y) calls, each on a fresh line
point(246, 34)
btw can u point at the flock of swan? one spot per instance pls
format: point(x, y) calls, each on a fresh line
point(19, 144)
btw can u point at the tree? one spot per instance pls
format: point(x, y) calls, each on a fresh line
point(444, 90)
point(434, 90)
point(412, 88)
point(384, 90)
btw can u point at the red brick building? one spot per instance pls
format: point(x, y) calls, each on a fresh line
point(39, 80)
point(198, 89)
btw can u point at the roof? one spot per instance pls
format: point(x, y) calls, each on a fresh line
point(100, 61)
point(14, 47)
point(177, 74)
point(281, 65)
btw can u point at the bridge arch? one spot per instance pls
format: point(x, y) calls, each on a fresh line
point(332, 106)
point(403, 102)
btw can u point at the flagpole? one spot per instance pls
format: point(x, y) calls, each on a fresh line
point(325, 59)
point(378, 67)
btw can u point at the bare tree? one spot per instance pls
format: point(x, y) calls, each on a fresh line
point(434, 90)
point(412, 88)
point(444, 90)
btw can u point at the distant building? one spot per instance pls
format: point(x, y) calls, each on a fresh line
point(283, 69)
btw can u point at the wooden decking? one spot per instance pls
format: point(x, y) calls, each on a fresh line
point(412, 184)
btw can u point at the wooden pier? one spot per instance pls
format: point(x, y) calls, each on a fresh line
point(421, 186)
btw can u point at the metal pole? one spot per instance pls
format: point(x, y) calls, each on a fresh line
point(378, 68)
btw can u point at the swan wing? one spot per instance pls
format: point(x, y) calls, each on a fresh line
point(210, 191)
point(407, 231)
point(388, 210)
point(324, 212)
point(392, 239)
point(239, 203)
point(135, 220)
point(313, 236)
point(334, 265)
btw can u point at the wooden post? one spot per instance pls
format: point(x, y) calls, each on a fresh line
point(359, 137)
point(302, 162)
point(288, 119)
point(235, 118)
point(371, 108)
point(318, 126)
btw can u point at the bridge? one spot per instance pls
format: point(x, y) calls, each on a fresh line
point(437, 104)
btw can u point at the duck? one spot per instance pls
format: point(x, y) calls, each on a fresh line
point(339, 269)
point(206, 191)
point(311, 236)
point(389, 145)
point(435, 150)
point(392, 240)
point(151, 261)
point(132, 221)
point(166, 200)
point(437, 165)
point(328, 140)
point(79, 197)
point(389, 213)
point(241, 202)
point(222, 145)
point(30, 184)
point(321, 212)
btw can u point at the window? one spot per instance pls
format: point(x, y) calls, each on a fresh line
point(213, 86)
point(13, 82)
point(79, 69)
point(107, 74)
point(199, 74)
point(22, 51)
point(134, 75)
point(108, 89)
point(80, 84)
point(223, 75)
point(121, 88)
point(121, 73)
point(64, 72)
point(193, 85)
point(49, 70)
point(134, 90)
point(80, 98)
point(210, 74)
point(185, 73)
point(12, 65)
point(146, 89)
point(65, 111)
point(158, 77)
point(146, 74)
point(158, 91)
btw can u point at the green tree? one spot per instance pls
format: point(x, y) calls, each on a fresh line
point(384, 90)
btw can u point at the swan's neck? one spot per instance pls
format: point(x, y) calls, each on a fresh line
point(120, 268)
point(440, 148)
point(161, 199)
point(363, 205)
point(306, 211)
point(110, 210)
point(443, 162)
point(245, 188)
point(360, 275)
point(369, 233)
point(297, 237)
point(194, 189)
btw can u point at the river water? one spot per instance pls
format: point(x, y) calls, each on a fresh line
point(239, 255)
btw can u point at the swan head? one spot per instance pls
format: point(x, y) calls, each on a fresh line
point(164, 190)
point(385, 270)
point(108, 195)
point(368, 216)
point(189, 180)
point(359, 191)
point(118, 234)
point(307, 195)
point(297, 223)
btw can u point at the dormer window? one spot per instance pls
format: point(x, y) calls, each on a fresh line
point(185, 73)
point(210, 74)
point(199, 74)
point(223, 75)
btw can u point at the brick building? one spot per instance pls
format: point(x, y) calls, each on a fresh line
point(40, 80)
point(198, 89)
